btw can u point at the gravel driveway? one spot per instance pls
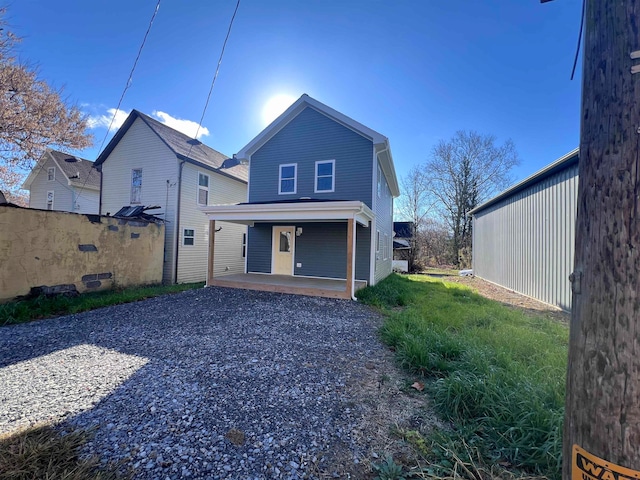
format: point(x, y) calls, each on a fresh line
point(209, 383)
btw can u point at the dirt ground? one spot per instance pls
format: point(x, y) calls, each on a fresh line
point(509, 297)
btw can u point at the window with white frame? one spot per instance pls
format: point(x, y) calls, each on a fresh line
point(51, 174)
point(188, 237)
point(377, 241)
point(379, 182)
point(288, 178)
point(325, 176)
point(203, 189)
point(385, 252)
point(50, 195)
point(136, 185)
point(244, 245)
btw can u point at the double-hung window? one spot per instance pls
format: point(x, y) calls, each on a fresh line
point(188, 236)
point(136, 185)
point(203, 189)
point(51, 174)
point(287, 183)
point(325, 176)
point(50, 195)
point(379, 182)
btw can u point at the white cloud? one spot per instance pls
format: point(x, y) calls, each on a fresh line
point(187, 127)
point(104, 121)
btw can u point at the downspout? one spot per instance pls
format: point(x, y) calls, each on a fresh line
point(99, 168)
point(175, 275)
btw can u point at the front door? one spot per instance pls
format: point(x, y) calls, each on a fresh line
point(283, 239)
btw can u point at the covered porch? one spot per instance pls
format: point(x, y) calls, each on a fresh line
point(315, 287)
point(296, 278)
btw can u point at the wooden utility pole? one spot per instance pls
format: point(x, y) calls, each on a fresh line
point(602, 423)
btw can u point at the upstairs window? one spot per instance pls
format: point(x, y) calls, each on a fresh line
point(379, 182)
point(51, 174)
point(325, 176)
point(288, 178)
point(203, 189)
point(50, 195)
point(136, 185)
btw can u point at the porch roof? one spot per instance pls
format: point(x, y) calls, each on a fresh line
point(291, 210)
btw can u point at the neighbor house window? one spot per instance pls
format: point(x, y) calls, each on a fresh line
point(203, 189)
point(287, 181)
point(51, 174)
point(136, 185)
point(50, 200)
point(379, 182)
point(188, 236)
point(325, 176)
point(244, 245)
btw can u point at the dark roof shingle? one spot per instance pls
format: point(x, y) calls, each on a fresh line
point(76, 169)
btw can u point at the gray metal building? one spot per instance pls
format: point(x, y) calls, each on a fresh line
point(523, 239)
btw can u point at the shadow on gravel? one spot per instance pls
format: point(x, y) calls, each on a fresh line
point(166, 380)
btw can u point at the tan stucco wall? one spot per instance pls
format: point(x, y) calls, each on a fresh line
point(40, 247)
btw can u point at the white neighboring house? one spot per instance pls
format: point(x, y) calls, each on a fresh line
point(61, 181)
point(148, 164)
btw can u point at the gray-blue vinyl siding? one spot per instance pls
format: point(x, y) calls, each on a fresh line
point(308, 138)
point(384, 224)
point(321, 249)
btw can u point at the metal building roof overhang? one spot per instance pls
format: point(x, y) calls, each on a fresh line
point(560, 164)
point(308, 211)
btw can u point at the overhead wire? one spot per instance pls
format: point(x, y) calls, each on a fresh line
point(215, 75)
point(575, 60)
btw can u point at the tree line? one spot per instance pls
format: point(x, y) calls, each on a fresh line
point(437, 196)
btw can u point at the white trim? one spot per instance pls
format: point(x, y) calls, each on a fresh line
point(274, 246)
point(249, 213)
point(182, 244)
point(198, 187)
point(52, 170)
point(372, 252)
point(333, 176)
point(295, 178)
point(298, 106)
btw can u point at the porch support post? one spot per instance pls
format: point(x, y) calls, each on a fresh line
point(212, 241)
point(350, 257)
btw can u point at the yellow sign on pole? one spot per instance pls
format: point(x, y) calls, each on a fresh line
point(586, 466)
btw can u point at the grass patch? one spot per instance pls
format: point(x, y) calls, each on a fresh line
point(44, 453)
point(498, 374)
point(43, 307)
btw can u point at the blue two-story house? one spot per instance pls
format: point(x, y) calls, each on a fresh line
point(320, 205)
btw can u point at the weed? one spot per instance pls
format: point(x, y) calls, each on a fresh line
point(388, 470)
point(43, 307)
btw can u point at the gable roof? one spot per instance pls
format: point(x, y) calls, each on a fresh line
point(79, 172)
point(184, 147)
point(380, 142)
point(403, 229)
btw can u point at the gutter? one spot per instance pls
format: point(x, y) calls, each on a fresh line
point(177, 231)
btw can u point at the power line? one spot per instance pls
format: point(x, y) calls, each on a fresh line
point(128, 84)
point(215, 76)
point(575, 61)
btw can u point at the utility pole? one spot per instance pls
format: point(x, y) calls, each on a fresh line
point(602, 420)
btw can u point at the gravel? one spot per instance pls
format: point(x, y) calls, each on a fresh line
point(214, 383)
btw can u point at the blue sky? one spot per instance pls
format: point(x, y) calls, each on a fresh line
point(415, 71)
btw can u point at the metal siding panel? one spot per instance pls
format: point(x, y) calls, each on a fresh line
point(526, 242)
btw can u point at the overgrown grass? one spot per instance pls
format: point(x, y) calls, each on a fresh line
point(497, 373)
point(44, 307)
point(44, 453)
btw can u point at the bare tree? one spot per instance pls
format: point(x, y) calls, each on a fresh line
point(463, 172)
point(33, 115)
point(415, 205)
